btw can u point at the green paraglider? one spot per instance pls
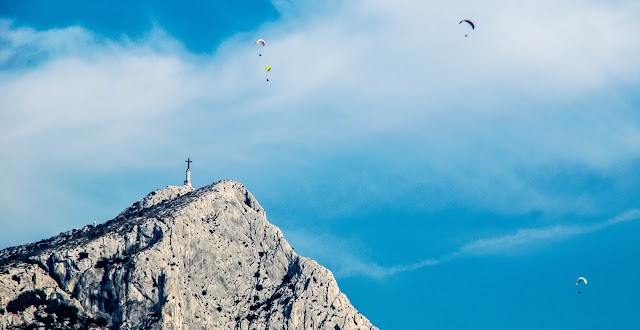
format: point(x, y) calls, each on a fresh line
point(266, 70)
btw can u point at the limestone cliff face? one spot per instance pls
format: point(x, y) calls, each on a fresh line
point(178, 259)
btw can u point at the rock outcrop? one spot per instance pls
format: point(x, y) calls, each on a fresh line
point(178, 259)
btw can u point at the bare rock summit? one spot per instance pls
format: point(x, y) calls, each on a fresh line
point(181, 258)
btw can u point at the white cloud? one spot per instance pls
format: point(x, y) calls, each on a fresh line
point(537, 84)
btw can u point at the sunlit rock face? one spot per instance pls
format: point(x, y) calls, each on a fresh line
point(178, 259)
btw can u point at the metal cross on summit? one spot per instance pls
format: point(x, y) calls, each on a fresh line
point(187, 181)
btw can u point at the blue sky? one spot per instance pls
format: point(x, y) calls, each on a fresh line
point(447, 182)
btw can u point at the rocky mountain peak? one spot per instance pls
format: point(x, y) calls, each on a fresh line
point(181, 258)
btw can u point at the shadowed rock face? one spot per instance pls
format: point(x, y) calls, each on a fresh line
point(178, 259)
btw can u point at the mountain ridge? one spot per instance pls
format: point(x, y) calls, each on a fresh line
point(180, 258)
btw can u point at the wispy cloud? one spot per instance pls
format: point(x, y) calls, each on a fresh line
point(527, 238)
point(347, 264)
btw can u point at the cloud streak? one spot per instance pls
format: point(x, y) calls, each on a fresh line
point(521, 241)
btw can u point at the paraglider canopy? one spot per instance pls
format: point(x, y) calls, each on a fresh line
point(581, 279)
point(260, 42)
point(468, 21)
point(473, 26)
point(267, 69)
